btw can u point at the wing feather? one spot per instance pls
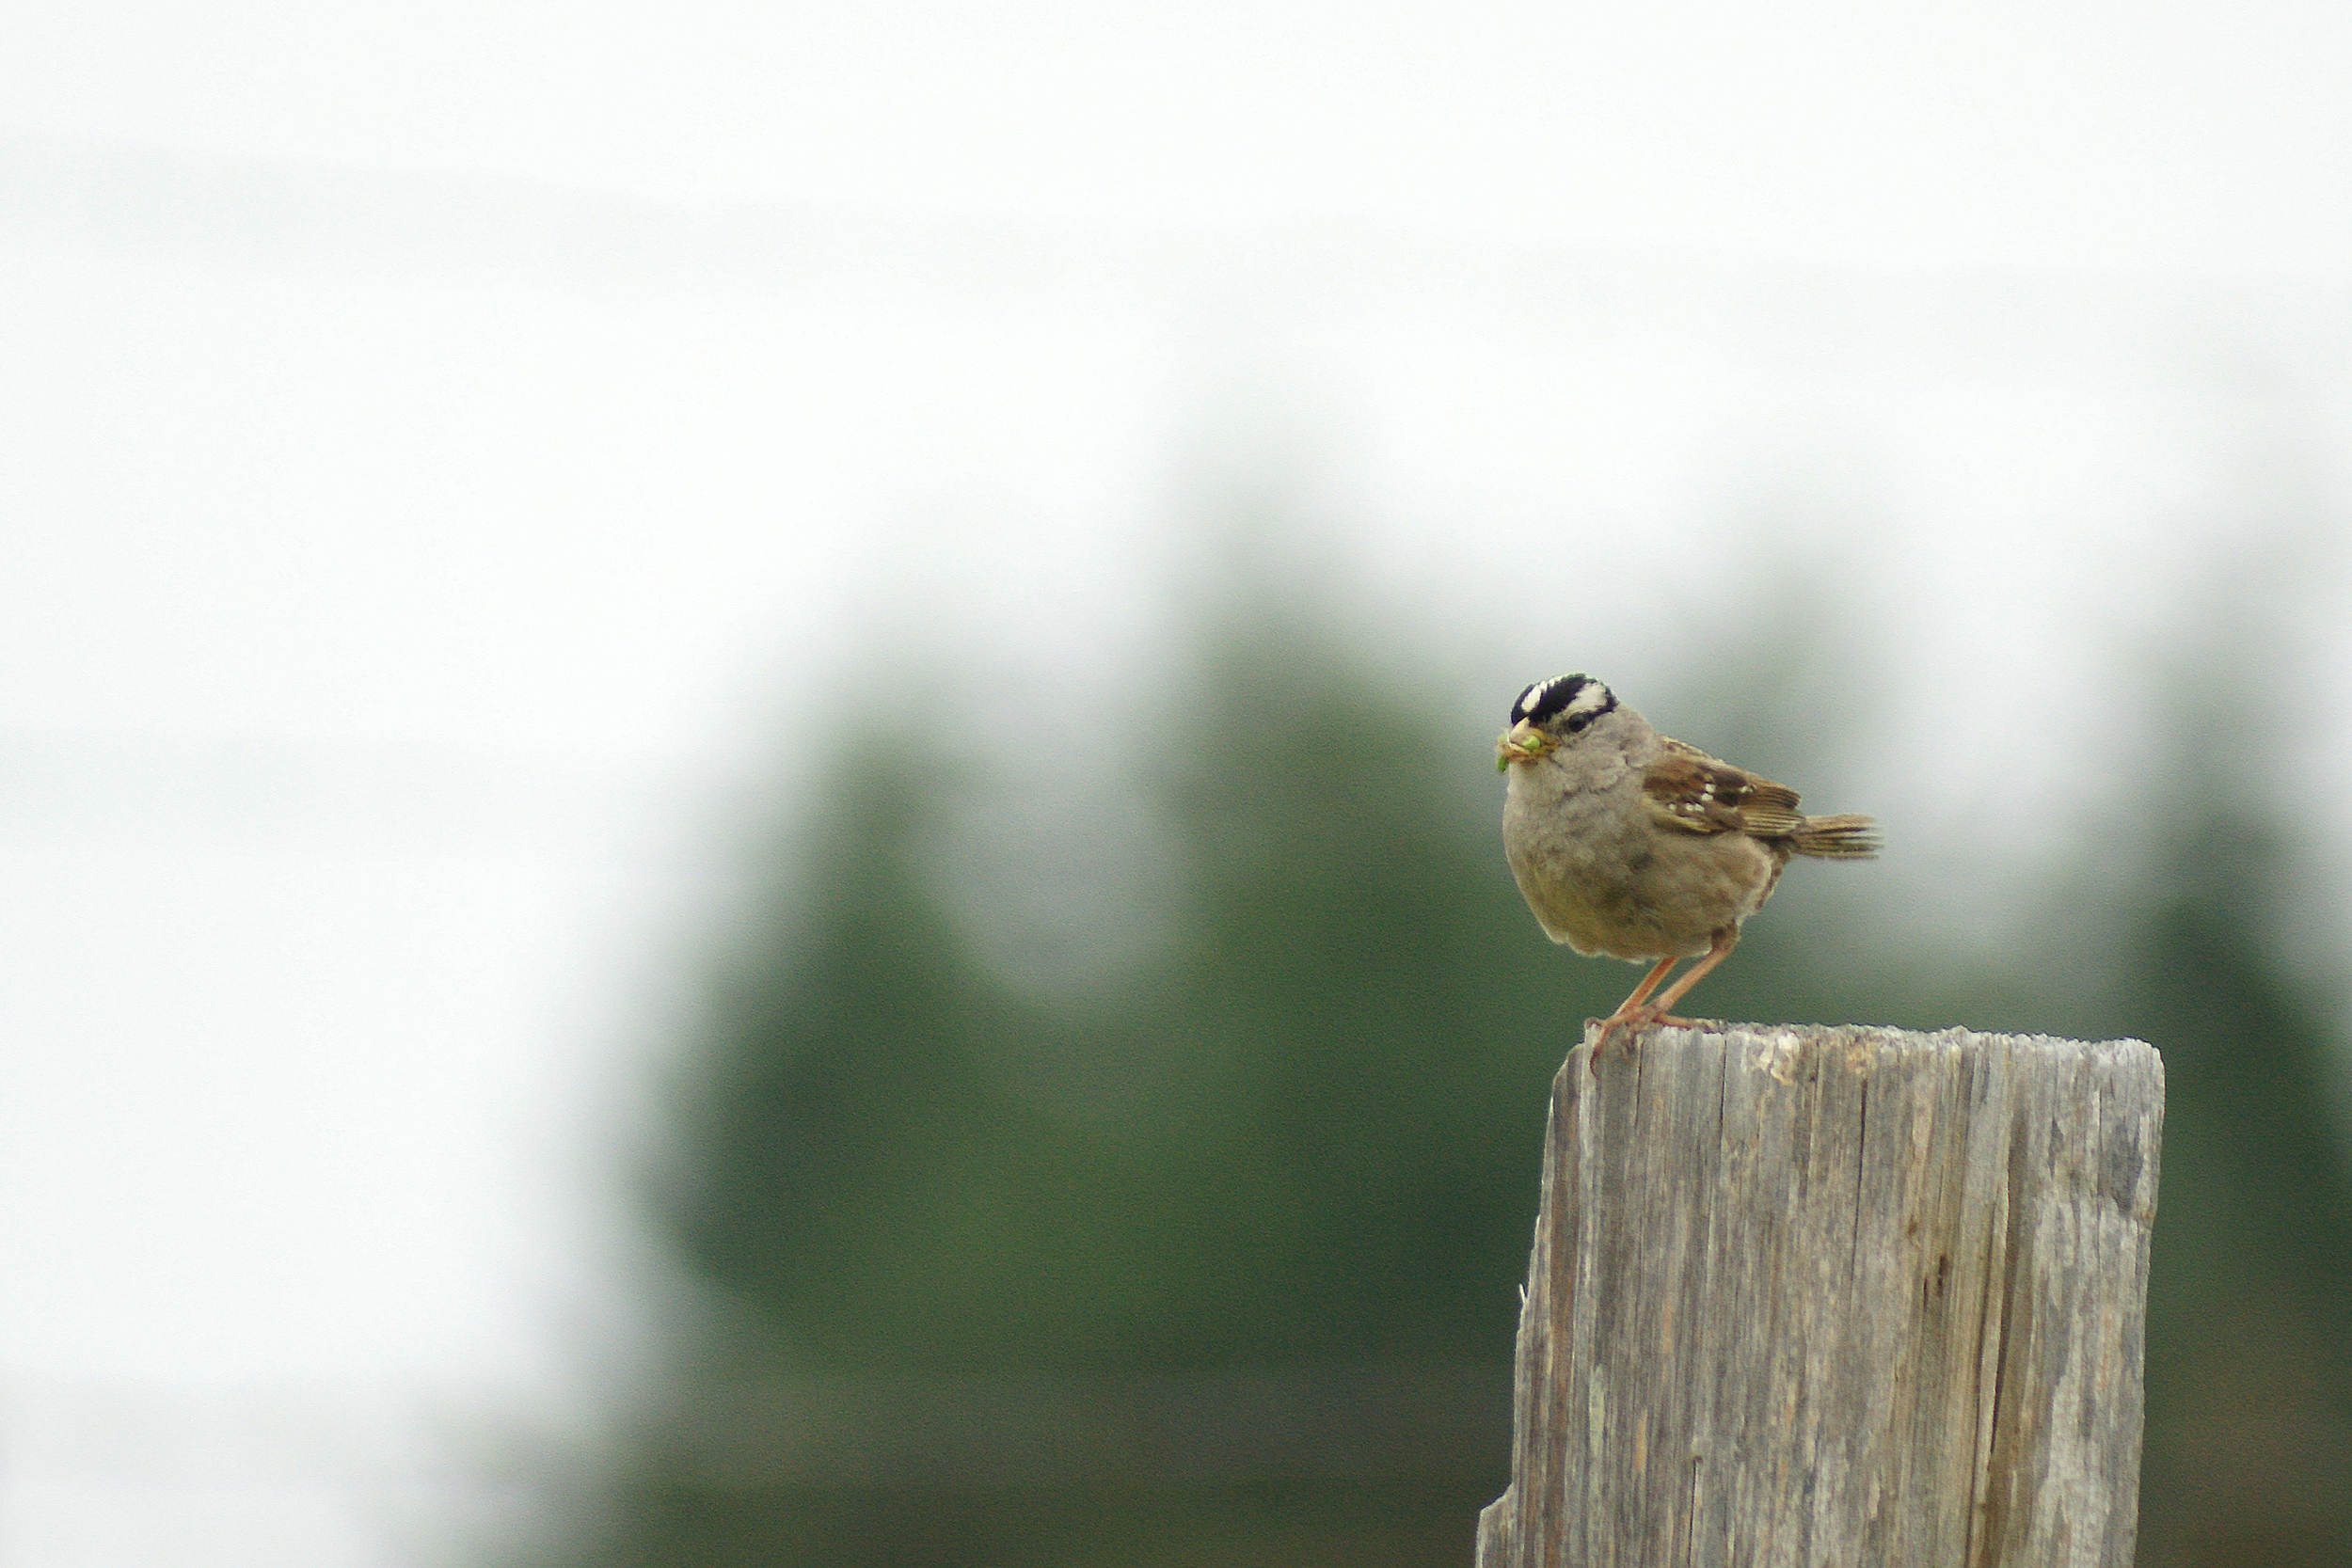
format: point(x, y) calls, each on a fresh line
point(1689, 791)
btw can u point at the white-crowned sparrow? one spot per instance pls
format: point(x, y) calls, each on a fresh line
point(1627, 843)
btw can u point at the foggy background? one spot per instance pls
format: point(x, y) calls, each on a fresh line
point(524, 526)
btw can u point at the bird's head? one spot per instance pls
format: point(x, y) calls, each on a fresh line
point(1547, 714)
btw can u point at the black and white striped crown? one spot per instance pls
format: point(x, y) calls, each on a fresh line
point(1579, 699)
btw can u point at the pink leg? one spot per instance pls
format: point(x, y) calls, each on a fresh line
point(1631, 1006)
point(1660, 1011)
point(1638, 1014)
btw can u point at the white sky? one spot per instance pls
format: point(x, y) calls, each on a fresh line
point(452, 454)
point(2101, 134)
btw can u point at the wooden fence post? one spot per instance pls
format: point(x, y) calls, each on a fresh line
point(1835, 1298)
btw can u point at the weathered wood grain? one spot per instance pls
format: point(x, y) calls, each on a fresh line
point(1835, 1298)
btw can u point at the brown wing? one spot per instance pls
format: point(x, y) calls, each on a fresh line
point(1688, 789)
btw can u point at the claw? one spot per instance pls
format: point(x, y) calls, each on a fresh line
point(1631, 1020)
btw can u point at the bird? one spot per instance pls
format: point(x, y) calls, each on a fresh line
point(1628, 843)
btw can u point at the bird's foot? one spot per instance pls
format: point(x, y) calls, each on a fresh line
point(1632, 1021)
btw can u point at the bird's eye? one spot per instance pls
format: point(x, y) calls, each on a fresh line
point(1578, 722)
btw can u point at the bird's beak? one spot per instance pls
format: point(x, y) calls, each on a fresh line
point(1523, 742)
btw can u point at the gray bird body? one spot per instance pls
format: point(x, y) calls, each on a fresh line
point(1601, 874)
point(1626, 842)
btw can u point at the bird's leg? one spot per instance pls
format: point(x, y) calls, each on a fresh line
point(1660, 1010)
point(1649, 983)
point(1631, 1005)
point(1638, 1013)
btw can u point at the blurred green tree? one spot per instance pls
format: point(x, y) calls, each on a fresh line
point(1216, 1266)
point(1260, 1315)
point(2249, 1456)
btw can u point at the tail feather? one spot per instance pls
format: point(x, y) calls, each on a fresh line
point(1836, 838)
